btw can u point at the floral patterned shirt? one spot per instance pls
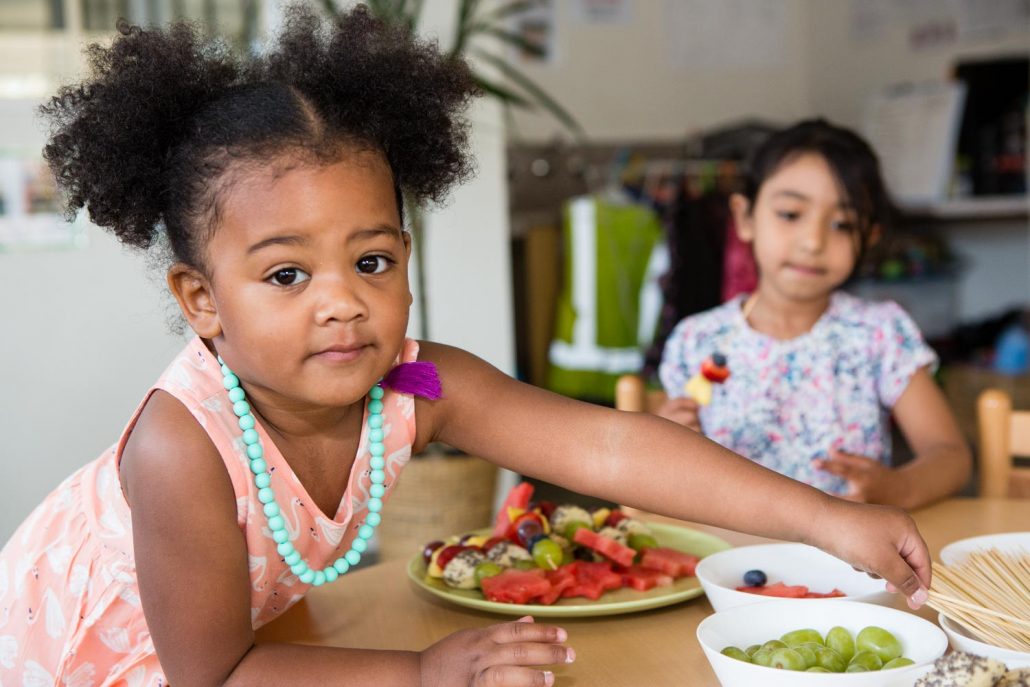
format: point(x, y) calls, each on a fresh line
point(788, 402)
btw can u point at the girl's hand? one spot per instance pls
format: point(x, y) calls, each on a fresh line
point(869, 480)
point(682, 411)
point(879, 540)
point(496, 656)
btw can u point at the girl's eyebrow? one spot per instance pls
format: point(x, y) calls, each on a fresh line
point(299, 240)
point(373, 232)
point(792, 194)
point(287, 240)
point(843, 205)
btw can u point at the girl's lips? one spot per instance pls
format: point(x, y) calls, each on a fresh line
point(341, 355)
point(811, 271)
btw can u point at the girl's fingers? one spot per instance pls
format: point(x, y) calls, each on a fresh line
point(535, 654)
point(514, 676)
point(524, 630)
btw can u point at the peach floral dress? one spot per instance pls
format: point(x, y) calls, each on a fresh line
point(69, 601)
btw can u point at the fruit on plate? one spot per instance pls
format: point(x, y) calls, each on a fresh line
point(528, 560)
point(460, 571)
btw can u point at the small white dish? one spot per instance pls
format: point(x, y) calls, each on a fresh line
point(793, 564)
point(1012, 542)
point(921, 641)
point(962, 639)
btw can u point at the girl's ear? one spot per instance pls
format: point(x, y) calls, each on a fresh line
point(740, 208)
point(193, 292)
point(406, 237)
point(875, 235)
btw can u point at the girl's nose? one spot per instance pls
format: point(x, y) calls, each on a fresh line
point(337, 300)
point(813, 237)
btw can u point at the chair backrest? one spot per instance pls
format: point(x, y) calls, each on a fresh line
point(632, 394)
point(1004, 433)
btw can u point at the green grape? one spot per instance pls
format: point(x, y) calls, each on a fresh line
point(773, 645)
point(878, 641)
point(830, 659)
point(487, 569)
point(864, 660)
point(840, 640)
point(547, 553)
point(801, 636)
point(762, 657)
point(817, 669)
point(734, 652)
point(750, 651)
point(899, 662)
point(807, 653)
point(570, 529)
point(523, 564)
point(856, 668)
point(640, 541)
point(787, 659)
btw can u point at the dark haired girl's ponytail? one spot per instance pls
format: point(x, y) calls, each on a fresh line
point(114, 133)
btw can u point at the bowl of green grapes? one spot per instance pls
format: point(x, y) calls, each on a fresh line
point(847, 643)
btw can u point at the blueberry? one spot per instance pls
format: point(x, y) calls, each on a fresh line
point(754, 578)
point(718, 359)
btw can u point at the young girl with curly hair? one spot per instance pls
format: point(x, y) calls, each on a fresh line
point(258, 464)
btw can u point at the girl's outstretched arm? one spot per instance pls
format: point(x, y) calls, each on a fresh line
point(942, 462)
point(650, 463)
point(192, 565)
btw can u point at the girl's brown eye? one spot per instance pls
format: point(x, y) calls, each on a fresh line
point(288, 276)
point(373, 264)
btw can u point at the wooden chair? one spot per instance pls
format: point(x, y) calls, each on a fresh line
point(632, 394)
point(1004, 433)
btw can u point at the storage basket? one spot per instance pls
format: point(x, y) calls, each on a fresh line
point(436, 496)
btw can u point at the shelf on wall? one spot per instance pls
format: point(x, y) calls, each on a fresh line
point(983, 207)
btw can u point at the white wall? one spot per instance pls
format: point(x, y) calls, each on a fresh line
point(843, 70)
point(84, 334)
point(620, 82)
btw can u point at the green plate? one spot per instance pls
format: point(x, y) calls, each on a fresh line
point(623, 600)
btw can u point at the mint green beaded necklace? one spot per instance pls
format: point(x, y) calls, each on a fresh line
point(263, 481)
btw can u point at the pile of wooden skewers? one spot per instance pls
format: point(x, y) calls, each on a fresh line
point(988, 593)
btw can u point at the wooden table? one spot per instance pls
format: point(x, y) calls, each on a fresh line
point(379, 608)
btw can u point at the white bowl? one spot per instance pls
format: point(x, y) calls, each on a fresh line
point(1014, 542)
point(962, 639)
point(793, 564)
point(922, 641)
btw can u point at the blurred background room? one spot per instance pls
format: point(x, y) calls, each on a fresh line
point(649, 106)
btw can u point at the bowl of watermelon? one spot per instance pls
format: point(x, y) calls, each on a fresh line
point(562, 560)
point(801, 573)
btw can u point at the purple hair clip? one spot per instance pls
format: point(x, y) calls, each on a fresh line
point(418, 378)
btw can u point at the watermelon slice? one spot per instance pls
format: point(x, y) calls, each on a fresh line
point(778, 589)
point(788, 591)
point(623, 555)
point(516, 586)
point(518, 497)
point(669, 561)
point(560, 579)
point(642, 579)
point(592, 579)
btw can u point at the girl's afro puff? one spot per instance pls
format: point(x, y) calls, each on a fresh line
point(145, 139)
